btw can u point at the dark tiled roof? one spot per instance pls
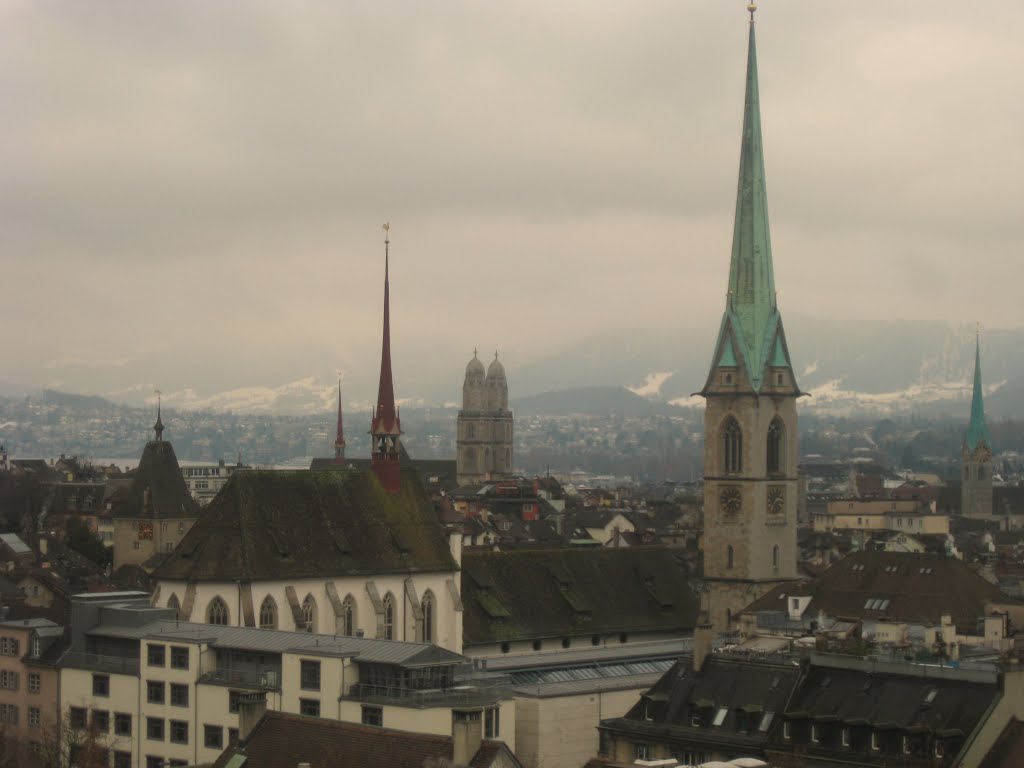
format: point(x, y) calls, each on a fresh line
point(920, 588)
point(685, 706)
point(282, 740)
point(571, 592)
point(302, 524)
point(158, 490)
point(1008, 750)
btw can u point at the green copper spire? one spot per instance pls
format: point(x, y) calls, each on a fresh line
point(751, 325)
point(977, 431)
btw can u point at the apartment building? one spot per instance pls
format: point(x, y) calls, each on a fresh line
point(155, 691)
point(29, 706)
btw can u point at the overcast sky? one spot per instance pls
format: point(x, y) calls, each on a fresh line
point(192, 193)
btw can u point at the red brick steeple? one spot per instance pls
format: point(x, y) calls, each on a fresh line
point(339, 440)
point(386, 427)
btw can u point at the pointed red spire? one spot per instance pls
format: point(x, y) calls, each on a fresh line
point(339, 441)
point(386, 426)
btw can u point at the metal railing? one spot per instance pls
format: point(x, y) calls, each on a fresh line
point(261, 679)
point(120, 665)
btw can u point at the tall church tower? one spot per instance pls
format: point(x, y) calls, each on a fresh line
point(976, 453)
point(484, 427)
point(339, 438)
point(750, 424)
point(386, 426)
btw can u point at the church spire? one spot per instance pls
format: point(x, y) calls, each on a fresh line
point(386, 427)
point(339, 440)
point(158, 428)
point(977, 430)
point(751, 335)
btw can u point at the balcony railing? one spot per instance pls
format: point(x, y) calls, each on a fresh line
point(476, 691)
point(258, 679)
point(119, 665)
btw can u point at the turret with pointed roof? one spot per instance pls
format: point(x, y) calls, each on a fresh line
point(750, 423)
point(339, 440)
point(386, 427)
point(976, 488)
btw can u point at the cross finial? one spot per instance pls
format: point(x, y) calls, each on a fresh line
point(474, 351)
point(495, 354)
point(386, 227)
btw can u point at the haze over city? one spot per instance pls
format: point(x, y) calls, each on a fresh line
point(194, 193)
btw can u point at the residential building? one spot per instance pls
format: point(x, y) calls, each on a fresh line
point(204, 481)
point(154, 688)
point(750, 418)
point(881, 515)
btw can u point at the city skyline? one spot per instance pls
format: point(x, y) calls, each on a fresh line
point(195, 194)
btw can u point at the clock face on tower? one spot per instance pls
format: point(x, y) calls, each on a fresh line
point(776, 499)
point(730, 500)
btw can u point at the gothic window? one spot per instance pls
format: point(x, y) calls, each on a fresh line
point(309, 614)
point(173, 603)
point(217, 612)
point(428, 618)
point(470, 431)
point(389, 617)
point(775, 556)
point(268, 613)
point(729, 558)
point(732, 446)
point(775, 445)
point(348, 617)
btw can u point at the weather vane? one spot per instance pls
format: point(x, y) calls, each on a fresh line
point(386, 227)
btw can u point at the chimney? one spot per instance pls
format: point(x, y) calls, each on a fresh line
point(703, 634)
point(251, 707)
point(467, 733)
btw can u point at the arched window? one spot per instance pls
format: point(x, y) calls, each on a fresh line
point(268, 613)
point(389, 617)
point(728, 556)
point(732, 446)
point(347, 620)
point(427, 635)
point(309, 614)
point(173, 603)
point(775, 445)
point(217, 612)
point(775, 556)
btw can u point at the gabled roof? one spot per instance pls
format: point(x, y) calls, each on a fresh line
point(912, 587)
point(281, 740)
point(302, 524)
point(158, 490)
point(528, 594)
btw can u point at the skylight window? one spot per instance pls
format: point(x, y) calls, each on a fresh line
point(766, 721)
point(720, 716)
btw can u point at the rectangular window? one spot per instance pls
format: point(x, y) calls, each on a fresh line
point(309, 707)
point(213, 736)
point(122, 724)
point(101, 720)
point(310, 677)
point(77, 716)
point(34, 682)
point(179, 657)
point(373, 716)
point(814, 733)
point(232, 735)
point(9, 680)
point(846, 737)
point(179, 695)
point(641, 751)
point(9, 646)
point(179, 731)
point(874, 742)
point(152, 761)
point(34, 717)
point(8, 713)
point(155, 728)
point(492, 722)
point(233, 697)
point(155, 655)
point(122, 759)
point(101, 685)
point(720, 716)
point(786, 731)
point(155, 692)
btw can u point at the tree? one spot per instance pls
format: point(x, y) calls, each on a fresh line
point(80, 537)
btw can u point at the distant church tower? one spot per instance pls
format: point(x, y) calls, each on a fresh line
point(386, 426)
point(484, 430)
point(339, 438)
point(750, 425)
point(976, 490)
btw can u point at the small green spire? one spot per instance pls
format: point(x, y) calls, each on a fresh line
point(977, 430)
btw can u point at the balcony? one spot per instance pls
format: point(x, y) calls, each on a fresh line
point(470, 692)
point(257, 679)
point(117, 665)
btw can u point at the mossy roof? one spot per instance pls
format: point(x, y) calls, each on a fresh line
point(527, 594)
point(311, 524)
point(168, 497)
